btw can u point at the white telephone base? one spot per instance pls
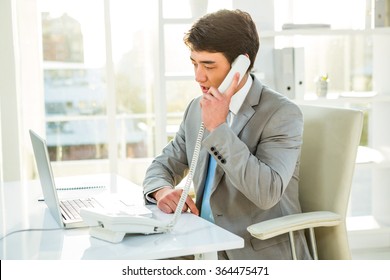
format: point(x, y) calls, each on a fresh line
point(106, 234)
point(112, 226)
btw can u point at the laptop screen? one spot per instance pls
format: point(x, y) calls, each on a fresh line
point(46, 176)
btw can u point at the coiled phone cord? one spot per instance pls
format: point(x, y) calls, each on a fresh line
point(191, 172)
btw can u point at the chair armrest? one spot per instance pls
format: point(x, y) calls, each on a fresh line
point(274, 227)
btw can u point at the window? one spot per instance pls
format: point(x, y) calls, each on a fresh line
point(76, 77)
point(99, 81)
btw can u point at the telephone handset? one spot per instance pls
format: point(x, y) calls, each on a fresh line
point(240, 65)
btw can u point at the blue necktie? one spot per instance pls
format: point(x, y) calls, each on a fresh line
point(206, 212)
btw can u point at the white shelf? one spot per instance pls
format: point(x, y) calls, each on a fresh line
point(341, 99)
point(326, 32)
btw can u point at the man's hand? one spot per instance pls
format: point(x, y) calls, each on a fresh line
point(168, 198)
point(215, 105)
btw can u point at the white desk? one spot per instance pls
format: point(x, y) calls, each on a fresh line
point(21, 210)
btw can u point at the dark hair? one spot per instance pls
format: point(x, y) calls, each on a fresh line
point(229, 32)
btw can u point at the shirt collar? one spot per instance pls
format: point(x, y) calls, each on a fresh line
point(239, 97)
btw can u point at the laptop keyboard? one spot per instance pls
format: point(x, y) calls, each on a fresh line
point(71, 208)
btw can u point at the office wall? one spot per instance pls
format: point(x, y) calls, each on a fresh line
point(20, 84)
point(9, 91)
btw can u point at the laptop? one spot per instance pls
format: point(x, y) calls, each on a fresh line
point(66, 212)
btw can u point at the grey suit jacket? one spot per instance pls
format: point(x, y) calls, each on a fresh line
point(257, 170)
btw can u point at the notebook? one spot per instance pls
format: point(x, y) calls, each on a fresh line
point(66, 212)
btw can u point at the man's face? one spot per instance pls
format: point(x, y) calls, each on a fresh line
point(210, 69)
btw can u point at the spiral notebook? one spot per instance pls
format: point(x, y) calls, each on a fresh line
point(89, 187)
point(65, 212)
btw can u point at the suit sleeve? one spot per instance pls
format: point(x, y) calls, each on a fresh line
point(263, 174)
point(171, 166)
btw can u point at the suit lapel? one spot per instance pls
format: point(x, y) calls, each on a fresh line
point(246, 111)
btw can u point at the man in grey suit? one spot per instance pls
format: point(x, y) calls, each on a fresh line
point(252, 143)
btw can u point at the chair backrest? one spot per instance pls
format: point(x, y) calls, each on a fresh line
point(330, 141)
